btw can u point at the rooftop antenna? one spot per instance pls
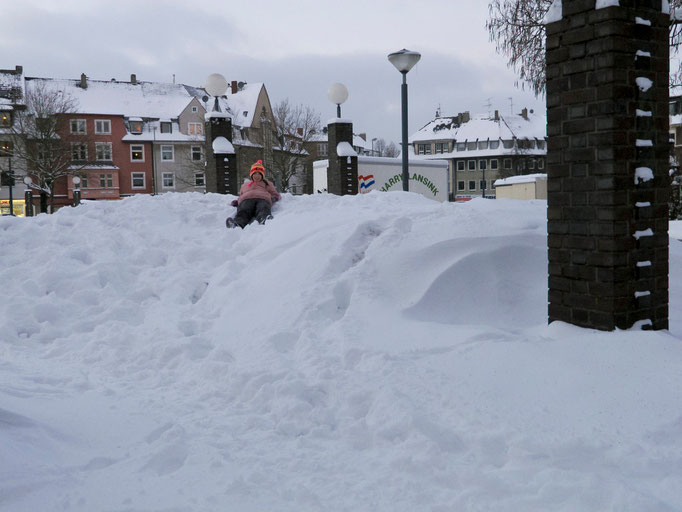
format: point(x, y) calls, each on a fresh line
point(488, 104)
point(511, 105)
point(174, 78)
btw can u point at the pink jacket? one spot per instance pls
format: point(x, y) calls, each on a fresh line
point(259, 190)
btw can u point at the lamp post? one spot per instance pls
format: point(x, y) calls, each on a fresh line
point(404, 60)
point(373, 146)
point(216, 85)
point(76, 191)
point(28, 196)
point(337, 94)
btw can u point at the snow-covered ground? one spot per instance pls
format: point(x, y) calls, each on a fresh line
point(373, 353)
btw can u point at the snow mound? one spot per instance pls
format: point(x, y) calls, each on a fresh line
point(381, 352)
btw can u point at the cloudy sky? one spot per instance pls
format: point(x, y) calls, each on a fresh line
point(297, 48)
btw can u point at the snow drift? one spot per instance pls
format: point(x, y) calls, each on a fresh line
point(369, 353)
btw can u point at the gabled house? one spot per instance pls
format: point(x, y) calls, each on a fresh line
point(482, 149)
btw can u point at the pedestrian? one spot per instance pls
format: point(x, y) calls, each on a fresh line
point(256, 198)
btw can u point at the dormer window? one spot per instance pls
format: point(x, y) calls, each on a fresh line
point(136, 126)
point(166, 127)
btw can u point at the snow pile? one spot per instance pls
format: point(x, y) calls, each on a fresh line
point(381, 352)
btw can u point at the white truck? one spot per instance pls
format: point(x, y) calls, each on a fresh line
point(427, 177)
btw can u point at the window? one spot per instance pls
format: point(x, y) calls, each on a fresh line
point(199, 179)
point(494, 144)
point(79, 151)
point(195, 110)
point(136, 153)
point(5, 119)
point(541, 144)
point(322, 149)
point(461, 146)
point(137, 179)
point(531, 163)
point(482, 144)
point(541, 163)
point(103, 126)
point(482, 185)
point(508, 144)
point(168, 180)
point(494, 163)
point(471, 145)
point(195, 128)
point(103, 151)
point(460, 165)
point(460, 185)
point(106, 180)
point(196, 153)
point(78, 126)
point(441, 147)
point(135, 127)
point(167, 153)
point(472, 165)
point(166, 127)
point(507, 163)
point(472, 185)
point(483, 165)
point(5, 148)
point(84, 181)
point(423, 149)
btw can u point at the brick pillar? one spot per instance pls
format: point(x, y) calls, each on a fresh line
point(342, 173)
point(607, 164)
point(221, 168)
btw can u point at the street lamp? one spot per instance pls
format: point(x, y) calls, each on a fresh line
point(28, 196)
point(76, 191)
point(404, 60)
point(337, 94)
point(216, 85)
point(373, 146)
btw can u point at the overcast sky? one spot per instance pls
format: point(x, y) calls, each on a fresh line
point(297, 48)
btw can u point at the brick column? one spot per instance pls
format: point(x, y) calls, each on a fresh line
point(342, 173)
point(607, 164)
point(221, 168)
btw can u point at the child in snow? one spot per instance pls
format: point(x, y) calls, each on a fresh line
point(255, 199)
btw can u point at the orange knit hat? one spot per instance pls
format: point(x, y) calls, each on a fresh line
point(258, 167)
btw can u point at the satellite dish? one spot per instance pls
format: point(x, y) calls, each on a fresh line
point(337, 93)
point(241, 85)
point(204, 99)
point(216, 85)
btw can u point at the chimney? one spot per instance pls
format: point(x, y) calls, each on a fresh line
point(497, 115)
point(84, 81)
point(133, 79)
point(524, 114)
point(466, 117)
point(363, 136)
point(235, 88)
point(18, 70)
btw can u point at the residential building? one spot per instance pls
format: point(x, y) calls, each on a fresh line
point(482, 149)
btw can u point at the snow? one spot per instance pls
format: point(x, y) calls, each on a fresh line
point(642, 21)
point(643, 174)
point(644, 143)
point(643, 83)
point(642, 53)
point(643, 113)
point(525, 178)
point(643, 233)
point(223, 146)
point(380, 352)
point(554, 13)
point(601, 4)
point(345, 149)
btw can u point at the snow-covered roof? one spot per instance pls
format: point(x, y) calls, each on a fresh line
point(152, 133)
point(242, 104)
point(525, 178)
point(532, 126)
point(155, 100)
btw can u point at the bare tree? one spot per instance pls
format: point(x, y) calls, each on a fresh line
point(295, 126)
point(42, 142)
point(381, 148)
point(518, 31)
